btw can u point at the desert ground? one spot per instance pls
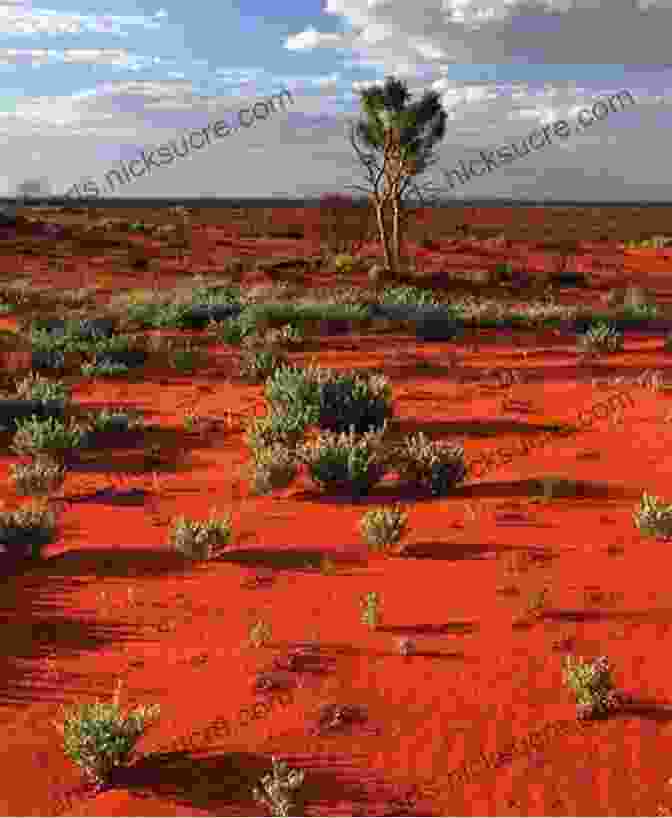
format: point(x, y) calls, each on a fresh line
point(533, 557)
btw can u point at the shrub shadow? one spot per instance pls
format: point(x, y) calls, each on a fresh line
point(297, 560)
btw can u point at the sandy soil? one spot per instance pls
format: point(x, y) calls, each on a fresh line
point(112, 601)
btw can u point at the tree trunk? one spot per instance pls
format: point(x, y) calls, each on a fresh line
point(385, 239)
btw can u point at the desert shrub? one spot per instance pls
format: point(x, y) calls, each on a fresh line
point(383, 527)
point(185, 359)
point(286, 428)
point(110, 419)
point(414, 296)
point(98, 368)
point(50, 436)
point(26, 530)
point(196, 539)
point(233, 331)
point(599, 338)
point(41, 477)
point(654, 518)
point(346, 461)
point(292, 386)
point(274, 467)
point(277, 791)
point(259, 364)
point(592, 686)
point(35, 387)
point(370, 604)
point(260, 633)
point(344, 263)
point(98, 739)
point(436, 466)
point(668, 343)
point(351, 399)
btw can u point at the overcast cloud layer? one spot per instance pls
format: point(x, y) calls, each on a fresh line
point(85, 90)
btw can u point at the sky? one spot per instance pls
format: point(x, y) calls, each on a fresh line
point(85, 87)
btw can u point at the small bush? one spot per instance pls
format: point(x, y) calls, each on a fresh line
point(259, 364)
point(114, 420)
point(26, 530)
point(344, 263)
point(103, 368)
point(291, 387)
point(413, 296)
point(38, 478)
point(654, 518)
point(600, 338)
point(383, 527)
point(196, 539)
point(233, 331)
point(278, 788)
point(260, 633)
point(98, 739)
point(35, 387)
point(352, 400)
point(592, 686)
point(346, 461)
point(274, 467)
point(370, 604)
point(185, 359)
point(438, 467)
point(50, 436)
point(286, 428)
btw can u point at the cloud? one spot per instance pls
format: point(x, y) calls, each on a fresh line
point(398, 33)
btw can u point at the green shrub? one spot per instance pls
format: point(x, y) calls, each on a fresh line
point(50, 436)
point(654, 518)
point(259, 364)
point(438, 467)
point(383, 527)
point(295, 388)
point(26, 530)
point(286, 428)
point(273, 468)
point(196, 539)
point(260, 633)
point(98, 739)
point(370, 604)
point(35, 387)
point(39, 478)
point(103, 368)
point(107, 419)
point(346, 461)
point(278, 788)
point(592, 686)
point(353, 400)
point(414, 296)
point(600, 338)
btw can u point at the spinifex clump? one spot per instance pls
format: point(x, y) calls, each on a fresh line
point(592, 686)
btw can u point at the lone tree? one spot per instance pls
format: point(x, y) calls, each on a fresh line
point(404, 134)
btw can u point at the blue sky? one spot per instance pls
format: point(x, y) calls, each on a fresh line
point(87, 87)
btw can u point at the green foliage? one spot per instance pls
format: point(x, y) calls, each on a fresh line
point(600, 338)
point(274, 467)
point(413, 296)
point(592, 686)
point(277, 789)
point(353, 400)
point(436, 466)
point(35, 387)
point(370, 604)
point(286, 428)
point(39, 478)
point(654, 518)
point(259, 364)
point(383, 527)
point(103, 368)
point(97, 738)
point(196, 539)
point(260, 633)
point(27, 529)
point(50, 436)
point(346, 461)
